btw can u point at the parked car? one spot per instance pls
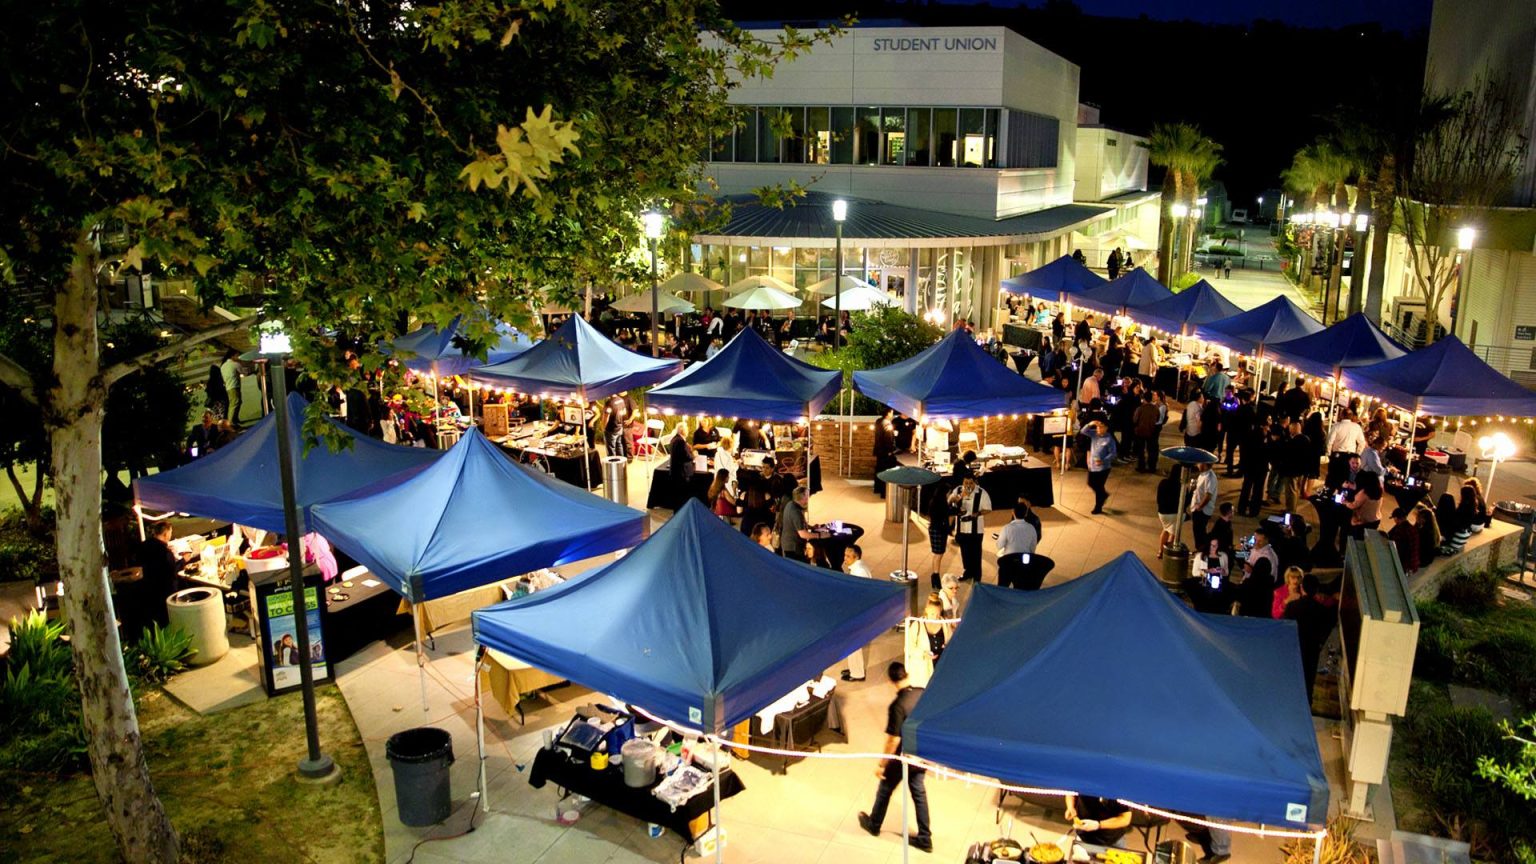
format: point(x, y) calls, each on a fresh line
point(1239, 216)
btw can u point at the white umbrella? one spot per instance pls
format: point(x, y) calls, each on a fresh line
point(845, 282)
point(742, 285)
point(763, 297)
point(547, 305)
point(666, 304)
point(690, 283)
point(1122, 237)
point(862, 297)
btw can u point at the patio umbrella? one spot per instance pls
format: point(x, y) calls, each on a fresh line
point(666, 304)
point(741, 286)
point(763, 297)
point(690, 283)
point(844, 283)
point(903, 476)
point(859, 298)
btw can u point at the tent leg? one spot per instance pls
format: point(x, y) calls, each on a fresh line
point(485, 802)
point(719, 835)
point(1317, 849)
point(906, 827)
point(421, 655)
point(139, 512)
point(1333, 409)
point(586, 459)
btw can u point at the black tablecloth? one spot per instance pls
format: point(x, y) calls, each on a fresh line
point(1005, 484)
point(607, 788)
point(797, 728)
point(1166, 380)
point(670, 494)
point(367, 614)
point(834, 545)
point(1023, 336)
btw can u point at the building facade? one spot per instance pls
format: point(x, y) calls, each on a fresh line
point(957, 149)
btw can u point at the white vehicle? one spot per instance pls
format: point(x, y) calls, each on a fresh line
point(1239, 216)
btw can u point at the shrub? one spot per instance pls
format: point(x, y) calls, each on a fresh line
point(39, 706)
point(1476, 591)
point(1222, 250)
point(159, 653)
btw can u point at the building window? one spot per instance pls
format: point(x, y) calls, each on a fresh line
point(973, 137)
point(746, 137)
point(842, 136)
point(1032, 140)
point(893, 136)
point(919, 133)
point(945, 127)
point(768, 140)
point(866, 137)
point(795, 145)
point(1111, 142)
point(818, 135)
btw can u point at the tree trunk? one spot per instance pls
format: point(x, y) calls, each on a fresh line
point(1165, 231)
point(1383, 207)
point(73, 417)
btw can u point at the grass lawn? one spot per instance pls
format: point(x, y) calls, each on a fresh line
point(227, 781)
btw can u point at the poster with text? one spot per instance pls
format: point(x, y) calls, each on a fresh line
point(280, 638)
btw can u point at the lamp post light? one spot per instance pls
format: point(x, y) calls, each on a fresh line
point(1496, 448)
point(655, 223)
point(1465, 237)
point(839, 215)
point(275, 347)
point(1179, 211)
point(1356, 267)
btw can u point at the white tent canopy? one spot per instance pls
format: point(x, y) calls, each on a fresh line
point(763, 297)
point(690, 283)
point(760, 281)
point(666, 304)
point(861, 297)
point(844, 284)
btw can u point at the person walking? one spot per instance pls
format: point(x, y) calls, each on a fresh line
point(1202, 505)
point(889, 770)
point(970, 504)
point(1101, 457)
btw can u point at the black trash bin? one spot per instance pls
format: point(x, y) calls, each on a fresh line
point(419, 759)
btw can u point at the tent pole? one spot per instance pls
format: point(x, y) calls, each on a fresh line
point(906, 829)
point(586, 460)
point(421, 656)
point(1178, 525)
point(1333, 407)
point(719, 830)
point(1413, 420)
point(485, 803)
point(906, 520)
point(139, 512)
point(1317, 849)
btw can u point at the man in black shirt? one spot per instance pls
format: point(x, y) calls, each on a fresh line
point(889, 770)
point(160, 567)
point(1099, 821)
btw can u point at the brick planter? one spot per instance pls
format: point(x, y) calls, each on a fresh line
point(824, 433)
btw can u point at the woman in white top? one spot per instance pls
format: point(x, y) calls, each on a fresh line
point(725, 456)
point(1212, 562)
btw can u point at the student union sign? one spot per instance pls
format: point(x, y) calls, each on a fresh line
point(937, 43)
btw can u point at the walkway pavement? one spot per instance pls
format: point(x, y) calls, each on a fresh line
point(808, 814)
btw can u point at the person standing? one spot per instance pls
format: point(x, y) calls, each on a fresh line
point(1202, 505)
point(215, 396)
point(159, 567)
point(885, 448)
point(970, 504)
point(1253, 465)
point(889, 770)
point(229, 370)
point(1215, 384)
point(940, 523)
point(1017, 539)
point(853, 565)
point(1091, 391)
point(1144, 429)
point(1299, 462)
point(793, 529)
point(1168, 492)
point(615, 425)
point(1101, 457)
point(1193, 421)
point(1113, 265)
point(1347, 436)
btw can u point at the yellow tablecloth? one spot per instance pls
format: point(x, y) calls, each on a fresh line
point(506, 678)
point(454, 608)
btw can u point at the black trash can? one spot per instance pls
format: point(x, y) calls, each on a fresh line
point(419, 759)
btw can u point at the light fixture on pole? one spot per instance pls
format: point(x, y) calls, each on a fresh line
point(1465, 237)
point(276, 345)
point(839, 215)
point(655, 223)
point(1496, 448)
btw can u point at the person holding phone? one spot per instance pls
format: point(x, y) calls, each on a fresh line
point(1015, 544)
point(1211, 566)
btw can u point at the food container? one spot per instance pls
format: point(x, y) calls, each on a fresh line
point(640, 757)
point(1043, 853)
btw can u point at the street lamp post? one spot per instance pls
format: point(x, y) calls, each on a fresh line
point(1465, 237)
point(1357, 266)
point(839, 214)
point(655, 223)
point(1496, 448)
point(275, 346)
point(1179, 212)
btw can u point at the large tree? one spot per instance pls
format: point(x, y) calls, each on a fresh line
point(341, 166)
point(1462, 165)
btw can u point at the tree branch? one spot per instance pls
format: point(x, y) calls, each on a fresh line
point(14, 376)
point(118, 371)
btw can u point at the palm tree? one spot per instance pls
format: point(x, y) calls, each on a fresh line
point(1320, 173)
point(1190, 157)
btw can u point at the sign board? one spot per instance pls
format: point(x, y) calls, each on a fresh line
point(1525, 332)
point(279, 635)
point(496, 424)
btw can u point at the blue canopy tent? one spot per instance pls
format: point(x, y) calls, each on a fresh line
point(701, 625)
point(1133, 290)
point(1109, 686)
point(749, 379)
point(1354, 341)
point(1279, 320)
point(575, 362)
point(447, 351)
point(473, 517)
point(956, 379)
point(1444, 379)
point(241, 483)
point(1058, 280)
point(1183, 312)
